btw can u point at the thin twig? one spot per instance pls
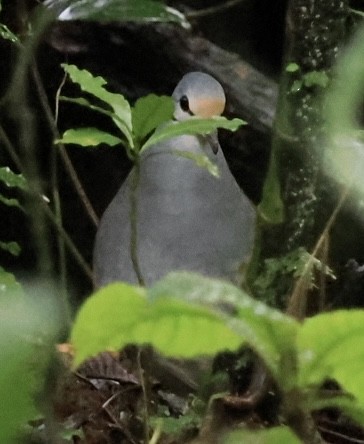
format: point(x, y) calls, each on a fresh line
point(157, 433)
point(62, 150)
point(296, 305)
point(58, 94)
point(10, 149)
point(213, 9)
point(57, 200)
point(340, 435)
point(145, 398)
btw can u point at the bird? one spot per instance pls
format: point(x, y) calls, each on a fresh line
point(185, 218)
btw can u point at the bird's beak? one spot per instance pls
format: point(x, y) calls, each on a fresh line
point(211, 139)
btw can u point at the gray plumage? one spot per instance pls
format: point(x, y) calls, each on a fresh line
point(187, 219)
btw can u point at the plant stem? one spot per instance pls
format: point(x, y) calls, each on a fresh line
point(44, 206)
point(135, 174)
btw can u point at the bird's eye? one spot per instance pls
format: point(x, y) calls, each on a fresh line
point(183, 101)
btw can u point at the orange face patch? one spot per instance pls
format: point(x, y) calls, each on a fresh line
point(206, 107)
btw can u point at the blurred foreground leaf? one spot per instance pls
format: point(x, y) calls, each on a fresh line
point(183, 315)
point(120, 314)
point(27, 328)
point(116, 11)
point(331, 345)
point(269, 436)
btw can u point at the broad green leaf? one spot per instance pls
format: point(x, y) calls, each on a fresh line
point(272, 335)
point(88, 137)
point(106, 318)
point(11, 247)
point(11, 179)
point(331, 345)
point(149, 112)
point(194, 125)
point(179, 328)
point(6, 34)
point(201, 160)
point(116, 11)
point(120, 314)
point(95, 86)
point(267, 331)
point(274, 435)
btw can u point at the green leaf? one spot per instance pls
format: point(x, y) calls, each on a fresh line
point(120, 314)
point(292, 67)
point(11, 247)
point(268, 436)
point(316, 78)
point(106, 318)
point(272, 335)
point(95, 86)
point(331, 345)
point(87, 104)
point(271, 207)
point(268, 331)
point(116, 11)
point(9, 286)
point(88, 137)
point(194, 125)
point(11, 179)
point(296, 86)
point(197, 289)
point(149, 112)
point(6, 34)
point(10, 202)
point(201, 160)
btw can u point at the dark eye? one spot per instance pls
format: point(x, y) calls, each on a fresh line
point(183, 101)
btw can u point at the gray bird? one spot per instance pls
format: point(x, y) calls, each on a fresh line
point(186, 219)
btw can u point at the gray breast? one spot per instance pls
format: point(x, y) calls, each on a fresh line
point(186, 219)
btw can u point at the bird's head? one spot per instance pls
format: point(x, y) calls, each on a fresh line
point(198, 94)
